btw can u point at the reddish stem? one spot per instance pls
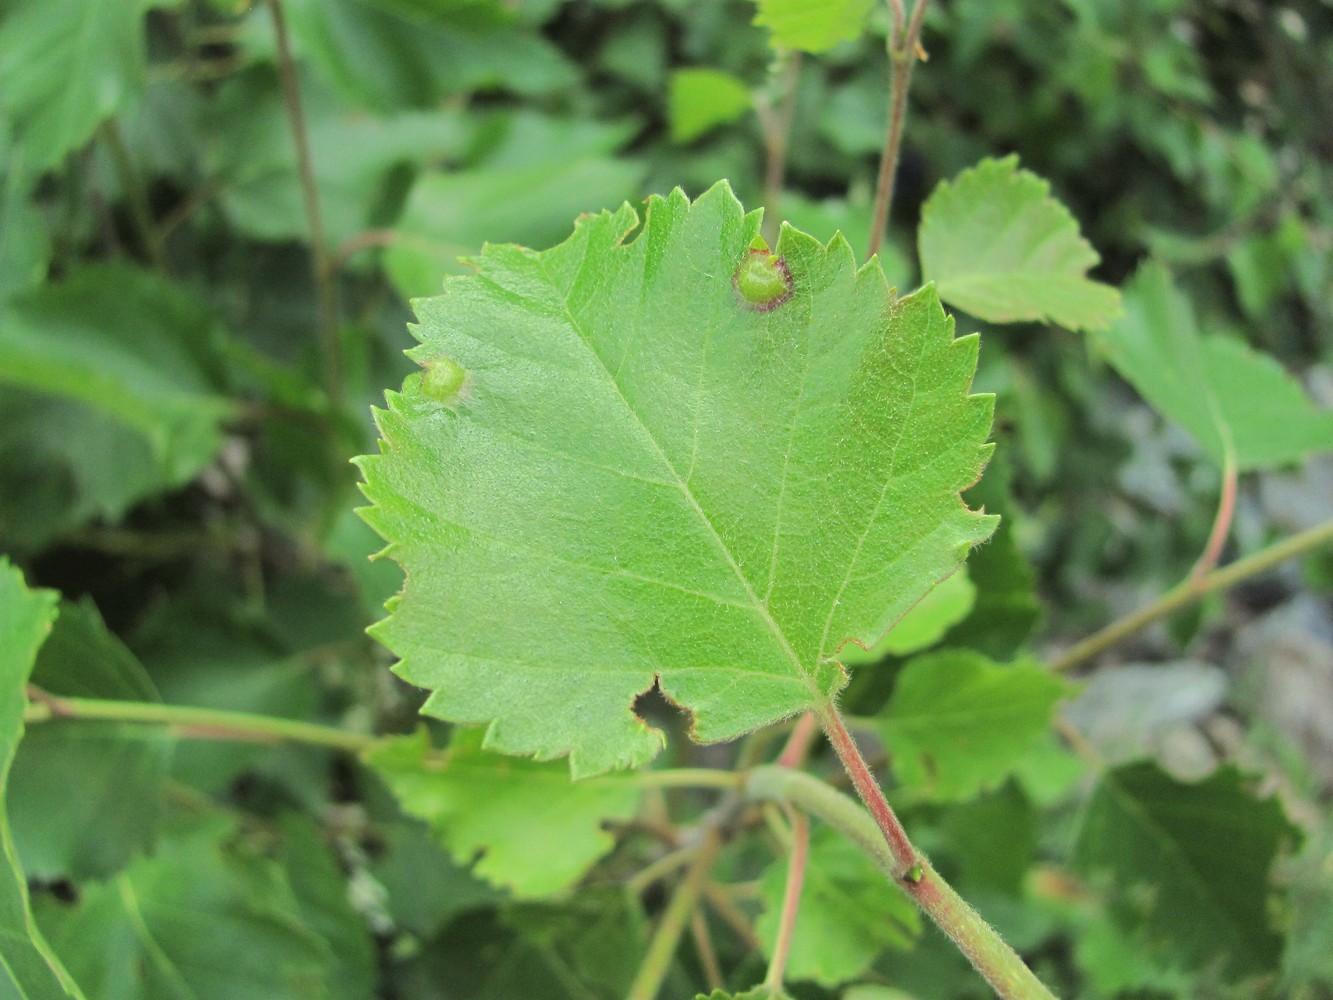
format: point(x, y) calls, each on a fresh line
point(1226, 510)
point(791, 898)
point(904, 854)
point(798, 743)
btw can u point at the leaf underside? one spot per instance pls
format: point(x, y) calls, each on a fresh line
point(999, 246)
point(1236, 402)
point(646, 478)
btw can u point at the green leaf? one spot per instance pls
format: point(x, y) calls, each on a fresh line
point(958, 723)
point(998, 246)
point(125, 343)
point(355, 158)
point(848, 915)
point(66, 464)
point(65, 67)
point(648, 479)
point(758, 993)
point(700, 99)
point(536, 833)
point(28, 968)
point(25, 246)
point(324, 901)
point(812, 26)
point(449, 216)
point(1201, 851)
point(86, 796)
point(387, 59)
point(946, 605)
point(1231, 398)
point(207, 917)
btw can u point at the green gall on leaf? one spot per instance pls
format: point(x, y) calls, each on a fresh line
point(444, 381)
point(763, 280)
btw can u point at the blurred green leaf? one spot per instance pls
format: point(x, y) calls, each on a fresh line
point(1006, 607)
point(812, 27)
point(126, 343)
point(208, 916)
point(998, 246)
point(323, 900)
point(66, 66)
point(387, 57)
point(700, 99)
point(848, 915)
point(85, 796)
point(355, 157)
point(810, 499)
point(25, 245)
point(28, 968)
point(483, 803)
point(66, 465)
point(534, 173)
point(1232, 399)
point(1194, 859)
point(958, 723)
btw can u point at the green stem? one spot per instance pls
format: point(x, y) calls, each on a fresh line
point(193, 723)
point(984, 948)
point(904, 42)
point(1192, 590)
point(685, 777)
point(666, 939)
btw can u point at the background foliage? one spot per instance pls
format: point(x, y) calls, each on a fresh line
point(186, 371)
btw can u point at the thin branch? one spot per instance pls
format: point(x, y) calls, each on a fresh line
point(798, 743)
point(657, 870)
point(777, 139)
point(731, 915)
point(1190, 591)
point(321, 265)
point(357, 242)
point(899, 21)
point(999, 964)
point(904, 50)
point(666, 939)
point(1226, 510)
point(703, 944)
point(192, 723)
point(791, 899)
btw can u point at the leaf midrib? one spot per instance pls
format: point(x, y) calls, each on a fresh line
point(760, 609)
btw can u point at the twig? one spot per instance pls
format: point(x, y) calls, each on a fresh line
point(1226, 509)
point(192, 723)
point(904, 50)
point(798, 743)
point(1190, 591)
point(703, 943)
point(791, 899)
point(999, 964)
point(777, 138)
point(321, 266)
point(662, 948)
